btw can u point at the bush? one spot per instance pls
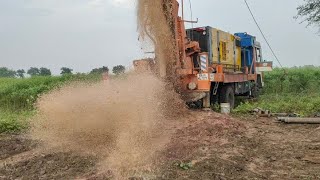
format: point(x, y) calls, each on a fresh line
point(14, 121)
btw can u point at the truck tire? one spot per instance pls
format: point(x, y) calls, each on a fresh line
point(227, 95)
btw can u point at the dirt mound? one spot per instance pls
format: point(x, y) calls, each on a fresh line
point(195, 141)
point(12, 145)
point(200, 131)
point(123, 122)
point(51, 166)
point(203, 145)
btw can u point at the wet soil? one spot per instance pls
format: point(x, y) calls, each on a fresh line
point(206, 145)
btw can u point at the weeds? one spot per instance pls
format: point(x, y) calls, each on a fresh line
point(14, 121)
point(21, 94)
point(18, 96)
point(297, 90)
point(184, 166)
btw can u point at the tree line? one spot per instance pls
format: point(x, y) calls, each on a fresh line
point(34, 71)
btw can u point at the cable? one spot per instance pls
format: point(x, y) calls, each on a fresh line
point(274, 54)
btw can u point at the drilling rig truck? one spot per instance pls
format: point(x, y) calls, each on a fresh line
point(212, 66)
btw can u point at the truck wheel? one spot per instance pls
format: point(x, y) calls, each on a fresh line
point(227, 95)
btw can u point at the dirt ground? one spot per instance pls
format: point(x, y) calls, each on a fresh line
point(207, 145)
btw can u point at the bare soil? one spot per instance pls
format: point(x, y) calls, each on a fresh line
point(205, 145)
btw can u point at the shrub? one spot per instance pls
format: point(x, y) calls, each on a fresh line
point(14, 121)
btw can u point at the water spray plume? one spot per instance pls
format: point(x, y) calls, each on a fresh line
point(125, 123)
point(156, 24)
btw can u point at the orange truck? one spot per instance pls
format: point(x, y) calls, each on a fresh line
point(213, 66)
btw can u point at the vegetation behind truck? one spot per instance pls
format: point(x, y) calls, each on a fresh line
point(212, 66)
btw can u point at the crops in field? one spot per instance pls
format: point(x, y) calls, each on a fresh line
point(305, 80)
point(292, 90)
point(18, 97)
point(13, 121)
point(295, 90)
point(21, 94)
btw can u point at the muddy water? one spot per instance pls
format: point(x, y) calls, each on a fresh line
point(156, 31)
point(124, 122)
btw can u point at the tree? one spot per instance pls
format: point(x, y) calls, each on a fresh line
point(310, 11)
point(20, 73)
point(65, 70)
point(45, 72)
point(100, 70)
point(120, 69)
point(7, 73)
point(105, 69)
point(33, 71)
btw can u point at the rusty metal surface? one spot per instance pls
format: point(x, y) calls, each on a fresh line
point(230, 78)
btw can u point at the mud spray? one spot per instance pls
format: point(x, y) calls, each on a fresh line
point(125, 122)
point(155, 24)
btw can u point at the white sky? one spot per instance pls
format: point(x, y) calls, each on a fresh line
point(85, 34)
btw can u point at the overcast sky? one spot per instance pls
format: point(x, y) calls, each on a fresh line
point(84, 34)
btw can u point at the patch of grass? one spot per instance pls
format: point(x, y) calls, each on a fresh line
point(21, 94)
point(14, 121)
point(294, 91)
point(306, 105)
point(18, 96)
point(298, 80)
point(184, 166)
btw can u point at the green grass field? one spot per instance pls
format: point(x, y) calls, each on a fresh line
point(18, 97)
point(294, 91)
point(13, 121)
point(21, 94)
